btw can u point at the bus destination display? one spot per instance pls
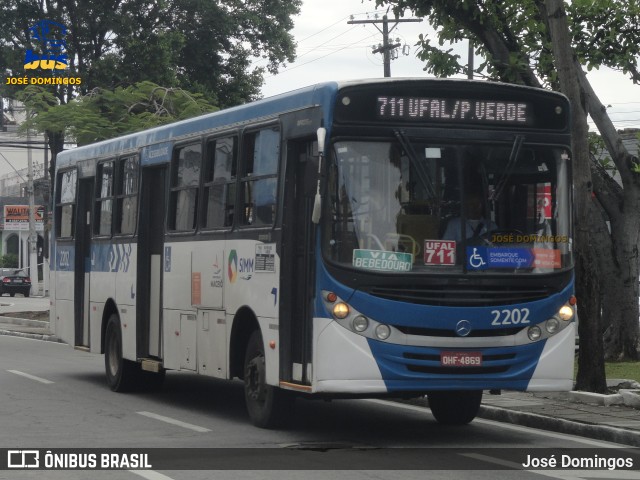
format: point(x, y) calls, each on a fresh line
point(454, 110)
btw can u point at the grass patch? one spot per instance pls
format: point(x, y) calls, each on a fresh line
point(626, 370)
point(623, 370)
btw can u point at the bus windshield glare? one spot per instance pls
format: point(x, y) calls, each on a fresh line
point(417, 206)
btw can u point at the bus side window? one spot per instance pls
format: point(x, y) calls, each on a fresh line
point(104, 199)
point(260, 181)
point(127, 196)
point(220, 182)
point(66, 203)
point(185, 179)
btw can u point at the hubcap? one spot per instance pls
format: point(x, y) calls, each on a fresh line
point(113, 355)
point(255, 379)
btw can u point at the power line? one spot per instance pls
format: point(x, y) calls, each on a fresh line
point(323, 30)
point(323, 44)
point(323, 56)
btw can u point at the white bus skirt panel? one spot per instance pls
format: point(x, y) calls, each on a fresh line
point(555, 367)
point(342, 361)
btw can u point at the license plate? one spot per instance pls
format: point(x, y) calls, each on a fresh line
point(460, 359)
point(17, 280)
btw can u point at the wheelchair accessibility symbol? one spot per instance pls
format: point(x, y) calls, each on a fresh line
point(476, 258)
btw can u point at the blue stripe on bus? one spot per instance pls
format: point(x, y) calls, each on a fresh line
point(65, 258)
point(106, 257)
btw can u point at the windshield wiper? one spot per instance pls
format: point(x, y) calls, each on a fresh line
point(513, 158)
point(423, 174)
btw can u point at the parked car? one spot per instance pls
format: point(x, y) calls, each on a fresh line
point(14, 280)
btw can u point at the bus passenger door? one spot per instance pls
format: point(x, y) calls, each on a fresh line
point(297, 262)
point(150, 255)
point(82, 272)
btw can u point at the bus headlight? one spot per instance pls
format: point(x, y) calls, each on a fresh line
point(534, 333)
point(383, 332)
point(552, 325)
point(565, 313)
point(360, 323)
point(340, 310)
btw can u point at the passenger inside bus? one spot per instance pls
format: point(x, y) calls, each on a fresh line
point(478, 222)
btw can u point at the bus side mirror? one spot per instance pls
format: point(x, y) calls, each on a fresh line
point(317, 203)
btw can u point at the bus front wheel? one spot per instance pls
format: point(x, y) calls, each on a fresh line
point(267, 405)
point(121, 373)
point(455, 408)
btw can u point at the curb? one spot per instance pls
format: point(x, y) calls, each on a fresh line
point(33, 336)
point(25, 322)
point(560, 425)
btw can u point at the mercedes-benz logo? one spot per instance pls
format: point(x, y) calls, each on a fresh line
point(463, 328)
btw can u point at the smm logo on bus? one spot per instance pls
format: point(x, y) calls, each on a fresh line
point(233, 266)
point(240, 266)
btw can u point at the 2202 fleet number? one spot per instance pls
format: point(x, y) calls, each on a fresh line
point(516, 316)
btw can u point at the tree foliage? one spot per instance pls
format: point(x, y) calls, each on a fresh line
point(103, 114)
point(512, 37)
point(198, 45)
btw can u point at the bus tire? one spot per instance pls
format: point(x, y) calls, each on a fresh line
point(455, 408)
point(267, 406)
point(121, 374)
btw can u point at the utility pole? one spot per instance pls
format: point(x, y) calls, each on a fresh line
point(33, 236)
point(386, 47)
point(470, 60)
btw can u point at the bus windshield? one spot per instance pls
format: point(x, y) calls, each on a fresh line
point(416, 206)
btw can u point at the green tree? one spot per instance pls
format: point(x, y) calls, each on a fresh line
point(9, 260)
point(520, 42)
point(103, 114)
point(200, 46)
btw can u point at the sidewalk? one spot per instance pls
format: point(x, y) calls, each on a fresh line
point(601, 417)
point(22, 325)
point(578, 413)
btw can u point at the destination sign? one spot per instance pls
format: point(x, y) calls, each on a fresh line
point(454, 110)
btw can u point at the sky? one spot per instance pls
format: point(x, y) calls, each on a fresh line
point(331, 49)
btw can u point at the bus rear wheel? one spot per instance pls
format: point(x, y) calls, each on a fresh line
point(267, 406)
point(455, 408)
point(121, 373)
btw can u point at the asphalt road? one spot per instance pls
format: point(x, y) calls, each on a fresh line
point(53, 397)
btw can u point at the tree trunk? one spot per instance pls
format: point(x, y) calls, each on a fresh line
point(591, 374)
point(622, 205)
point(621, 338)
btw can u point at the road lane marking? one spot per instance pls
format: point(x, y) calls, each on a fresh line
point(31, 377)
point(173, 421)
point(508, 426)
point(151, 475)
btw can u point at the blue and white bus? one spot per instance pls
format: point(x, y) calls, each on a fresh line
point(380, 238)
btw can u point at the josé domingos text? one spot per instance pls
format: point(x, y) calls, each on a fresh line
point(511, 238)
point(569, 461)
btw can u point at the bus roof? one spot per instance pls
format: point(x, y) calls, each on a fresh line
point(322, 94)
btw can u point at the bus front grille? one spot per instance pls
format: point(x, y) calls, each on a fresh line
point(461, 296)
